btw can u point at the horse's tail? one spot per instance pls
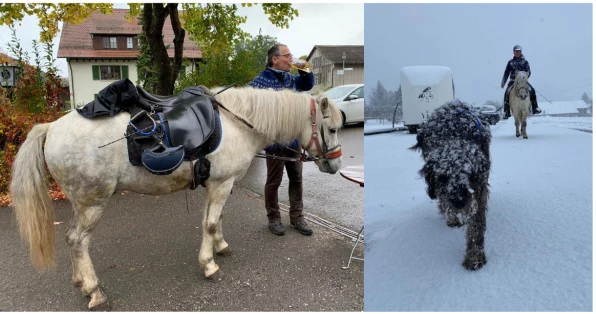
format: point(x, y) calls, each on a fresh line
point(33, 206)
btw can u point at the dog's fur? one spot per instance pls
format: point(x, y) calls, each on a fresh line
point(455, 146)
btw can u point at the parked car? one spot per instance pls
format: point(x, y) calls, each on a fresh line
point(350, 100)
point(488, 113)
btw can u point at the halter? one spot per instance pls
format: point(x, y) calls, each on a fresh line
point(520, 88)
point(326, 153)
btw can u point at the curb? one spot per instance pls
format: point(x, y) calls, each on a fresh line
point(383, 131)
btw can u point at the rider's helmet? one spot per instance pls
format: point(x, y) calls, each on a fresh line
point(517, 47)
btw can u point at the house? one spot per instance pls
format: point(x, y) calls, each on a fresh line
point(577, 108)
point(9, 71)
point(104, 48)
point(328, 64)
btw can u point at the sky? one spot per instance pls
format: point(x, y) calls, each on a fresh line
point(317, 24)
point(476, 41)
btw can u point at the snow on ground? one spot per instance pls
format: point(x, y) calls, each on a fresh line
point(378, 124)
point(584, 123)
point(539, 228)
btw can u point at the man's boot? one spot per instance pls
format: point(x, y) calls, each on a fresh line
point(535, 109)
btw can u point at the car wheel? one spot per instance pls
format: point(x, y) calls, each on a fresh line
point(412, 129)
point(343, 118)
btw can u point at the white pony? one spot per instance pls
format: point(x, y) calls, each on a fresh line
point(519, 100)
point(89, 175)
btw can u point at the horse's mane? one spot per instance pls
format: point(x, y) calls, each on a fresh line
point(275, 114)
point(519, 80)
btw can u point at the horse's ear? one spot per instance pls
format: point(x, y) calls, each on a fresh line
point(324, 104)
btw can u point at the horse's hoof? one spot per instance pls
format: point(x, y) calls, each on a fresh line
point(225, 252)
point(516, 135)
point(526, 137)
point(99, 301)
point(216, 276)
point(475, 262)
point(103, 307)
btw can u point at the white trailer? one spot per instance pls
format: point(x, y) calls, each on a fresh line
point(423, 89)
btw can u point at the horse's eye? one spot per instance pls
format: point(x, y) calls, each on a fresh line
point(332, 131)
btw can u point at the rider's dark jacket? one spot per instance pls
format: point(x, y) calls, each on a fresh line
point(514, 65)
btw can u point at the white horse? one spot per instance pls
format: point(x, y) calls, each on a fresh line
point(89, 175)
point(519, 100)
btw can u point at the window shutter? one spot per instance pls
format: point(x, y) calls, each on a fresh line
point(96, 72)
point(125, 71)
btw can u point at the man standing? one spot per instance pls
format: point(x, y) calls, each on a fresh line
point(276, 76)
point(518, 63)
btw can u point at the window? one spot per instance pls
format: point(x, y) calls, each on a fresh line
point(129, 43)
point(109, 72)
point(359, 92)
point(109, 43)
point(316, 62)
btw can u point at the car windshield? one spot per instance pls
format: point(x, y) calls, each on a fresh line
point(339, 91)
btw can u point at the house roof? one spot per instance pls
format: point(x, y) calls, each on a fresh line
point(354, 53)
point(76, 41)
point(562, 107)
point(6, 59)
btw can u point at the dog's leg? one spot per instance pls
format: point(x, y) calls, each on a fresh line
point(448, 212)
point(475, 257)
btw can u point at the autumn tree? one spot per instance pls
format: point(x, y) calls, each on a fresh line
point(215, 27)
point(238, 65)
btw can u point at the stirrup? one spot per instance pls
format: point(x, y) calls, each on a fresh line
point(165, 162)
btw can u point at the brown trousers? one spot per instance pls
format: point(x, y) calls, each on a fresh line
point(275, 172)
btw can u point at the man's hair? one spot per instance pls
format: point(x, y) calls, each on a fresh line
point(273, 52)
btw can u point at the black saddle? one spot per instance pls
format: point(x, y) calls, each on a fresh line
point(170, 129)
point(190, 115)
point(163, 130)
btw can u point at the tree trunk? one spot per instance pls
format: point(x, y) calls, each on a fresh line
point(166, 71)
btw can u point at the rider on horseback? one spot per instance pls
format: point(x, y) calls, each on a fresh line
point(518, 63)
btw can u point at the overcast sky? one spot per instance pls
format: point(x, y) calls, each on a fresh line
point(318, 24)
point(476, 41)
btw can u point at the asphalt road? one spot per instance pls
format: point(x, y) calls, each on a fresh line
point(331, 197)
point(145, 253)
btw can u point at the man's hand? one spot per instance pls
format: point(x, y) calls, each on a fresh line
point(502, 85)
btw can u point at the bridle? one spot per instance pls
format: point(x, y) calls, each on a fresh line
point(519, 89)
point(323, 153)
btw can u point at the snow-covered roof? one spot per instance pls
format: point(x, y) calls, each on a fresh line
point(562, 107)
point(425, 74)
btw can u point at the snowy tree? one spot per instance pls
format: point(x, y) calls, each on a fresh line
point(587, 99)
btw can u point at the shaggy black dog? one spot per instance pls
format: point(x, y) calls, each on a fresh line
point(455, 147)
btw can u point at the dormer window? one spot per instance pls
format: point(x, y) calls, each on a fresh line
point(109, 43)
point(129, 43)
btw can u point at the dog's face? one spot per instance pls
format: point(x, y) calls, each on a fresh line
point(456, 189)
